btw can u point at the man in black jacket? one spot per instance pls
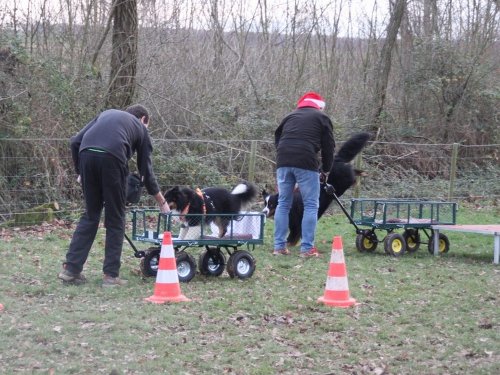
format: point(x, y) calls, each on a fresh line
point(101, 151)
point(299, 138)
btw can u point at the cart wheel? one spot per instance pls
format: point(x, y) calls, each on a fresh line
point(149, 264)
point(186, 266)
point(366, 241)
point(241, 264)
point(444, 244)
point(412, 239)
point(394, 244)
point(211, 262)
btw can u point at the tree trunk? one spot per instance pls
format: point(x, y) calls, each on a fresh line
point(383, 67)
point(218, 34)
point(121, 87)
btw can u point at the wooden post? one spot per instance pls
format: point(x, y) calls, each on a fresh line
point(251, 162)
point(453, 169)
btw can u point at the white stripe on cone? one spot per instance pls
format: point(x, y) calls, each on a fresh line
point(337, 283)
point(337, 257)
point(167, 276)
point(167, 251)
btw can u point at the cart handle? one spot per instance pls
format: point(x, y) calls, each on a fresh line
point(137, 253)
point(330, 190)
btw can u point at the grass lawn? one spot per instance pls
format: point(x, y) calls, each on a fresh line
point(417, 314)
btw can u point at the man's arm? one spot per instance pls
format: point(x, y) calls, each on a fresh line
point(327, 147)
point(277, 133)
point(145, 167)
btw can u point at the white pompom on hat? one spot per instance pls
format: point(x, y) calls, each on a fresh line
point(311, 99)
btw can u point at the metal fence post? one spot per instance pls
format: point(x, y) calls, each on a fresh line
point(453, 169)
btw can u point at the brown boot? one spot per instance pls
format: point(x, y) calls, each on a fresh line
point(71, 278)
point(110, 281)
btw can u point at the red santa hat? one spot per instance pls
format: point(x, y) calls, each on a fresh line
point(311, 99)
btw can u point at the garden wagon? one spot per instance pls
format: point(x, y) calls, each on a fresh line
point(412, 215)
point(245, 229)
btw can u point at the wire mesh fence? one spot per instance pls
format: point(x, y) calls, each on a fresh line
point(37, 175)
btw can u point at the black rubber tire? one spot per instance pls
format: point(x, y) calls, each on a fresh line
point(394, 244)
point(149, 263)
point(412, 239)
point(211, 262)
point(365, 243)
point(186, 266)
point(444, 244)
point(241, 264)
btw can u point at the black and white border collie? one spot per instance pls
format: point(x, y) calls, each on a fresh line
point(211, 200)
point(342, 176)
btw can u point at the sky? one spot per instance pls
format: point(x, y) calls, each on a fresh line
point(355, 11)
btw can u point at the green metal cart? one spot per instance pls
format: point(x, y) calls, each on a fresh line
point(246, 229)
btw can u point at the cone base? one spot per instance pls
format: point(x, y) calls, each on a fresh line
point(336, 303)
point(157, 299)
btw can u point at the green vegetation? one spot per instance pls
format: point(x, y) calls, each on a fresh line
point(416, 314)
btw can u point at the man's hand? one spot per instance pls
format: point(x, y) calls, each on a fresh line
point(323, 177)
point(329, 189)
point(165, 208)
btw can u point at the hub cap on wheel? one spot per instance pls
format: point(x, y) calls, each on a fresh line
point(213, 266)
point(367, 243)
point(397, 246)
point(183, 269)
point(243, 266)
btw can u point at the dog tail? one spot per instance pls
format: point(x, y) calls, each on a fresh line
point(352, 147)
point(245, 191)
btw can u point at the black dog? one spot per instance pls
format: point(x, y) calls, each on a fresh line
point(212, 200)
point(342, 176)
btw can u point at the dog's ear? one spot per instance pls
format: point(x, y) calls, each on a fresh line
point(264, 193)
point(172, 193)
point(195, 201)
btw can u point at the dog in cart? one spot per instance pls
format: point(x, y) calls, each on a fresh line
point(191, 204)
point(194, 211)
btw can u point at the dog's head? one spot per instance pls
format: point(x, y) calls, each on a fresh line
point(270, 203)
point(176, 199)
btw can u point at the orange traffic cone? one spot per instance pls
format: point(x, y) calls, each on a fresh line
point(337, 288)
point(167, 288)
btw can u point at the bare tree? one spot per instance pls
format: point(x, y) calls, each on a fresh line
point(217, 33)
point(121, 86)
point(383, 67)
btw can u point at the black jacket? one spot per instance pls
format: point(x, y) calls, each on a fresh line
point(121, 134)
point(300, 136)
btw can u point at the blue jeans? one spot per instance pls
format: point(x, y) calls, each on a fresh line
point(308, 182)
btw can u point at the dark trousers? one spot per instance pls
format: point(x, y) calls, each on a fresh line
point(104, 183)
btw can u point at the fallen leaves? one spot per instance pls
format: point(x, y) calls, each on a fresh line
point(37, 231)
point(286, 319)
point(485, 324)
